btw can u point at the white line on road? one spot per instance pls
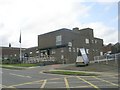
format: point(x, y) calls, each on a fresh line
point(19, 75)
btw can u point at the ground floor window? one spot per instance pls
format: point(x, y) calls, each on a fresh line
point(87, 51)
point(101, 53)
point(70, 49)
point(62, 56)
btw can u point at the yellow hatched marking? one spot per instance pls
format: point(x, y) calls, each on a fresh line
point(66, 83)
point(88, 83)
point(44, 82)
point(55, 79)
point(106, 81)
point(25, 83)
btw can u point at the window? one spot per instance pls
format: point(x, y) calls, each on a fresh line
point(70, 44)
point(15, 55)
point(77, 49)
point(30, 52)
point(37, 51)
point(62, 56)
point(73, 49)
point(41, 54)
point(62, 50)
point(69, 49)
point(53, 51)
point(87, 41)
point(58, 40)
point(46, 53)
point(92, 41)
point(95, 41)
point(87, 51)
point(101, 53)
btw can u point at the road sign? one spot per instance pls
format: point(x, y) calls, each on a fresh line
point(84, 55)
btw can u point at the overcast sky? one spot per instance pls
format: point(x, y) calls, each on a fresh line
point(35, 17)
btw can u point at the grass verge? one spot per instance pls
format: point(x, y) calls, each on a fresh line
point(12, 67)
point(21, 65)
point(17, 66)
point(77, 73)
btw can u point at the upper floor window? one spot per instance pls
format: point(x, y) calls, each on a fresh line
point(58, 40)
point(87, 41)
point(92, 41)
point(95, 41)
point(70, 44)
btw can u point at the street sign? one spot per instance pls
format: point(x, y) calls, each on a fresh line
point(84, 55)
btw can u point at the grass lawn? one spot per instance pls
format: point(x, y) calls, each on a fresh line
point(63, 72)
point(20, 65)
point(17, 66)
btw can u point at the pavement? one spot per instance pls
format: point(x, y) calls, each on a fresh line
point(33, 78)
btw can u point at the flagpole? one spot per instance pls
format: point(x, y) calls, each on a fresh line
point(20, 47)
point(20, 52)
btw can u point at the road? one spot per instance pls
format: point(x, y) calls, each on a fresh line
point(34, 78)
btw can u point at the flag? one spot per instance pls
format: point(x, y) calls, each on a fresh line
point(9, 44)
point(20, 38)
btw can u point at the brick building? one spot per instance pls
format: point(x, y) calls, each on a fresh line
point(64, 44)
point(31, 52)
point(10, 53)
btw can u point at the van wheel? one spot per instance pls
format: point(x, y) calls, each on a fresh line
point(87, 64)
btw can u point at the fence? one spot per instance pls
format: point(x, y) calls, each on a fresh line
point(107, 58)
point(39, 59)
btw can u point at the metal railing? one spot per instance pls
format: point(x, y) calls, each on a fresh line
point(107, 58)
point(38, 59)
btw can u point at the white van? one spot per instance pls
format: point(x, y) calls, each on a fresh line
point(82, 58)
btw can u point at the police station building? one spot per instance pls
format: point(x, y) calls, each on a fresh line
point(64, 44)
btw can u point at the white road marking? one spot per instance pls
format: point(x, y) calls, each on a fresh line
point(19, 75)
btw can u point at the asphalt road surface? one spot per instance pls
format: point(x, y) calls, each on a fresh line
point(34, 78)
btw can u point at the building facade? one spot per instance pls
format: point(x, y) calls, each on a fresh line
point(64, 44)
point(10, 54)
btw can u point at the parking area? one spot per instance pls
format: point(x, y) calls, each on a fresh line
point(33, 78)
point(62, 81)
point(71, 82)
